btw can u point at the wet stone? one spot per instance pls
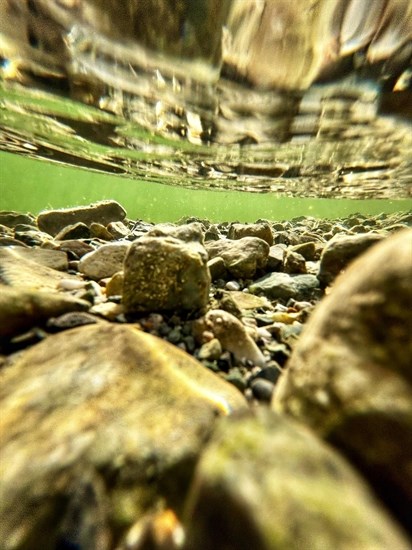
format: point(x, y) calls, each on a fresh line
point(164, 273)
point(105, 261)
point(260, 230)
point(11, 219)
point(75, 231)
point(269, 483)
point(340, 250)
point(242, 257)
point(104, 212)
point(285, 286)
point(350, 372)
point(100, 424)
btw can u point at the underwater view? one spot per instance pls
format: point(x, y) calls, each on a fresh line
point(205, 274)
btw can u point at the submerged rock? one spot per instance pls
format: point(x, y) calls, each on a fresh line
point(105, 261)
point(23, 308)
point(341, 250)
point(266, 483)
point(98, 423)
point(231, 333)
point(165, 273)
point(242, 257)
point(350, 375)
point(285, 286)
point(31, 269)
point(103, 212)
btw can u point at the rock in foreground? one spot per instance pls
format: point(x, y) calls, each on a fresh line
point(97, 424)
point(266, 483)
point(351, 372)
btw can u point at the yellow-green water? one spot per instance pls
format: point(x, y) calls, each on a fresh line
point(32, 185)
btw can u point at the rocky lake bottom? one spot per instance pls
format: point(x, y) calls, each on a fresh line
point(204, 386)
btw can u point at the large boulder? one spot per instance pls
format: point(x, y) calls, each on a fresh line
point(350, 374)
point(98, 424)
point(266, 483)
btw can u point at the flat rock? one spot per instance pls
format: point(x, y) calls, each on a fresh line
point(23, 308)
point(242, 257)
point(98, 424)
point(285, 286)
point(350, 374)
point(18, 268)
point(103, 212)
point(341, 250)
point(105, 261)
point(55, 259)
point(165, 273)
point(266, 483)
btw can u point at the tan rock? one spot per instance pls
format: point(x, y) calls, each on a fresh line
point(165, 273)
point(97, 424)
point(23, 308)
point(266, 483)
point(231, 333)
point(350, 373)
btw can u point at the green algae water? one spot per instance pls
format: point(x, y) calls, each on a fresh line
point(31, 185)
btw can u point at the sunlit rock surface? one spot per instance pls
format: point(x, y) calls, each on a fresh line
point(97, 425)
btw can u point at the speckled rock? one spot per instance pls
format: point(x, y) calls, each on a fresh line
point(266, 483)
point(350, 374)
point(342, 249)
point(260, 230)
point(104, 212)
point(98, 424)
point(285, 286)
point(23, 308)
point(231, 333)
point(242, 257)
point(105, 261)
point(165, 273)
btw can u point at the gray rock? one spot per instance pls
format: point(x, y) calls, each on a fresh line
point(341, 250)
point(99, 424)
point(266, 483)
point(285, 286)
point(260, 230)
point(350, 374)
point(242, 257)
point(23, 308)
point(165, 273)
point(104, 212)
point(105, 261)
point(231, 333)
point(118, 230)
point(189, 233)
